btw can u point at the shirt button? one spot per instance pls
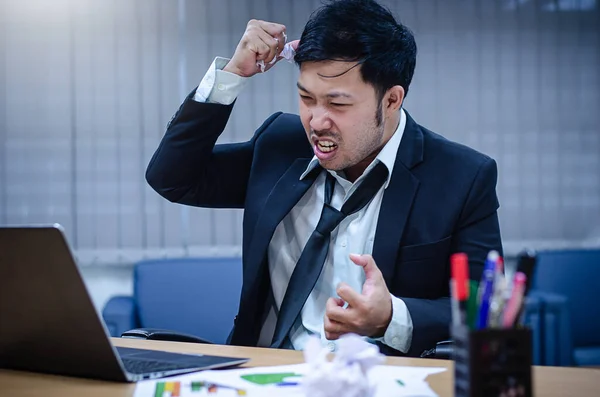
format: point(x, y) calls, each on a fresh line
point(331, 346)
point(343, 243)
point(220, 87)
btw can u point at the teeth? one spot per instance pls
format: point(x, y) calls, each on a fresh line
point(326, 146)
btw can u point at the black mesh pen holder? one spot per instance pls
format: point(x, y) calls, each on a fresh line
point(492, 362)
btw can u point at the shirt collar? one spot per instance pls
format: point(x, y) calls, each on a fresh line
point(387, 155)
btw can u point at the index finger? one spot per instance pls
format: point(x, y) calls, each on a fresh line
point(346, 292)
point(274, 29)
point(333, 302)
point(339, 314)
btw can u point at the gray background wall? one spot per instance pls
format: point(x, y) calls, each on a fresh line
point(87, 87)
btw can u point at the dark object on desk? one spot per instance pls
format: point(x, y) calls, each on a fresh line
point(442, 350)
point(162, 334)
point(50, 325)
point(492, 362)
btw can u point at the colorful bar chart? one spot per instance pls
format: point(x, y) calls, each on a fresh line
point(175, 389)
point(168, 389)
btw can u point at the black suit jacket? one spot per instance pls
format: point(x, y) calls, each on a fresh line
point(441, 199)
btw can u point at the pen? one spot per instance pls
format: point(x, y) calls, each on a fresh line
point(526, 264)
point(472, 304)
point(498, 296)
point(486, 296)
point(516, 300)
point(459, 287)
point(490, 264)
point(455, 310)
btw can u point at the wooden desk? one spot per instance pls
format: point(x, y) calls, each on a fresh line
point(549, 381)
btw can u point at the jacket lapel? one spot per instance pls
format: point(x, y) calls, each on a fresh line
point(398, 199)
point(285, 194)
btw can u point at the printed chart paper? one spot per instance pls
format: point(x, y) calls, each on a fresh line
point(280, 381)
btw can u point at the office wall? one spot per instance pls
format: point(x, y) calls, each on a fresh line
point(87, 87)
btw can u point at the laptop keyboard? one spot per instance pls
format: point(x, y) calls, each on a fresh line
point(140, 361)
point(137, 366)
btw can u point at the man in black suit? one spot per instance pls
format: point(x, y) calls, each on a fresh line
point(352, 210)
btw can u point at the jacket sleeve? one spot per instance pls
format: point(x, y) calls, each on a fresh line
point(188, 168)
point(477, 232)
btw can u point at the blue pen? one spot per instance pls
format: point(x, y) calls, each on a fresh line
point(486, 296)
point(490, 262)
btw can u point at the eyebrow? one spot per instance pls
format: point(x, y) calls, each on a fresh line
point(332, 94)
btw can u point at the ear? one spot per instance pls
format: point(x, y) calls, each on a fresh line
point(393, 99)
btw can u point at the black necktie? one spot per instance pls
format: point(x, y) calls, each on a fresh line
point(309, 266)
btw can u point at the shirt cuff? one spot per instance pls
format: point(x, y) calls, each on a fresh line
point(399, 332)
point(219, 86)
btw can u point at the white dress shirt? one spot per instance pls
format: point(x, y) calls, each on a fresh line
point(355, 234)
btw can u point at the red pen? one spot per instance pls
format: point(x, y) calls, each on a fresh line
point(459, 287)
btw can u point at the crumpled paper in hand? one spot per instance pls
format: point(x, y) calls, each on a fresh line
point(347, 374)
point(286, 53)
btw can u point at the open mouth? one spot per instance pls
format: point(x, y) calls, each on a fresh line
point(324, 148)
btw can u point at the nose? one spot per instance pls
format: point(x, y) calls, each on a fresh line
point(320, 120)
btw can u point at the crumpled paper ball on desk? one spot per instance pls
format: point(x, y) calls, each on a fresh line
point(346, 375)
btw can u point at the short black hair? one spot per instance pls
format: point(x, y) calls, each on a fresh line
point(361, 31)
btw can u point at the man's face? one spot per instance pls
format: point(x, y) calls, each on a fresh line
point(339, 114)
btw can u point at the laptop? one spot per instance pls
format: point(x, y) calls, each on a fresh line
point(49, 324)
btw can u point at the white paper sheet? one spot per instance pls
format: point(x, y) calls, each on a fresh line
point(390, 380)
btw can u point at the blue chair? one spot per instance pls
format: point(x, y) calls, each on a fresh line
point(567, 282)
point(533, 318)
point(196, 296)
